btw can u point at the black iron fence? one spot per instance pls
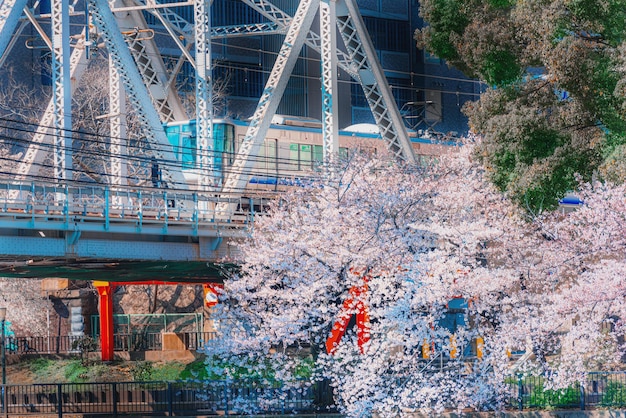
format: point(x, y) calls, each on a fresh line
point(63, 344)
point(165, 398)
point(598, 389)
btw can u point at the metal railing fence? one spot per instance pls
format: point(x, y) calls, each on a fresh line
point(598, 389)
point(164, 398)
point(149, 341)
point(100, 207)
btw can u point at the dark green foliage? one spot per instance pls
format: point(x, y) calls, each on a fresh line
point(501, 68)
point(501, 4)
point(540, 142)
point(614, 395)
point(561, 398)
point(610, 18)
point(142, 371)
point(547, 189)
point(76, 372)
point(446, 19)
point(195, 371)
point(539, 133)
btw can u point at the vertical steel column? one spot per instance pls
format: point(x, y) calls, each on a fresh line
point(328, 31)
point(62, 90)
point(117, 146)
point(204, 94)
point(105, 291)
point(4, 353)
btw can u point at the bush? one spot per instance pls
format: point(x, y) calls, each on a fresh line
point(614, 395)
point(76, 372)
point(142, 371)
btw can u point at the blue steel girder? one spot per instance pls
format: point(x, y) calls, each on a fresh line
point(204, 94)
point(61, 90)
point(10, 13)
point(136, 90)
point(117, 124)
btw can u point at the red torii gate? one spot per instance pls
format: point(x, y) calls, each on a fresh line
point(105, 291)
point(353, 305)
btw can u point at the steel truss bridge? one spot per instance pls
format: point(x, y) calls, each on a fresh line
point(61, 219)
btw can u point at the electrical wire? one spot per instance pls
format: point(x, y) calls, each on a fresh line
point(155, 147)
point(177, 165)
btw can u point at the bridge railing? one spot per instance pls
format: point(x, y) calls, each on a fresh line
point(116, 206)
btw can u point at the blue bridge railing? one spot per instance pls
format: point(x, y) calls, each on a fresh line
point(125, 209)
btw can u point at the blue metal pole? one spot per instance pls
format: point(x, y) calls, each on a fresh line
point(4, 358)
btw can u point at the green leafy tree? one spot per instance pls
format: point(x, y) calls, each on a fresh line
point(554, 111)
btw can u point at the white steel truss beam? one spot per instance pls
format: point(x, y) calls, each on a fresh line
point(363, 65)
point(314, 41)
point(61, 91)
point(328, 32)
point(204, 94)
point(373, 81)
point(117, 113)
point(137, 91)
point(239, 175)
point(34, 155)
point(268, 28)
point(147, 57)
point(10, 13)
point(185, 28)
point(150, 5)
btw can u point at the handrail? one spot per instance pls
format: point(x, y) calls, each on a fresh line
point(75, 203)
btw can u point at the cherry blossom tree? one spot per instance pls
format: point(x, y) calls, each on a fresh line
point(588, 305)
point(395, 247)
point(27, 308)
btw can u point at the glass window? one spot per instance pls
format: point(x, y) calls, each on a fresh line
point(270, 154)
point(389, 34)
point(305, 156)
point(223, 134)
point(318, 154)
point(294, 157)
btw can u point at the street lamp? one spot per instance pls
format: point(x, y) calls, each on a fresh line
point(3, 317)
